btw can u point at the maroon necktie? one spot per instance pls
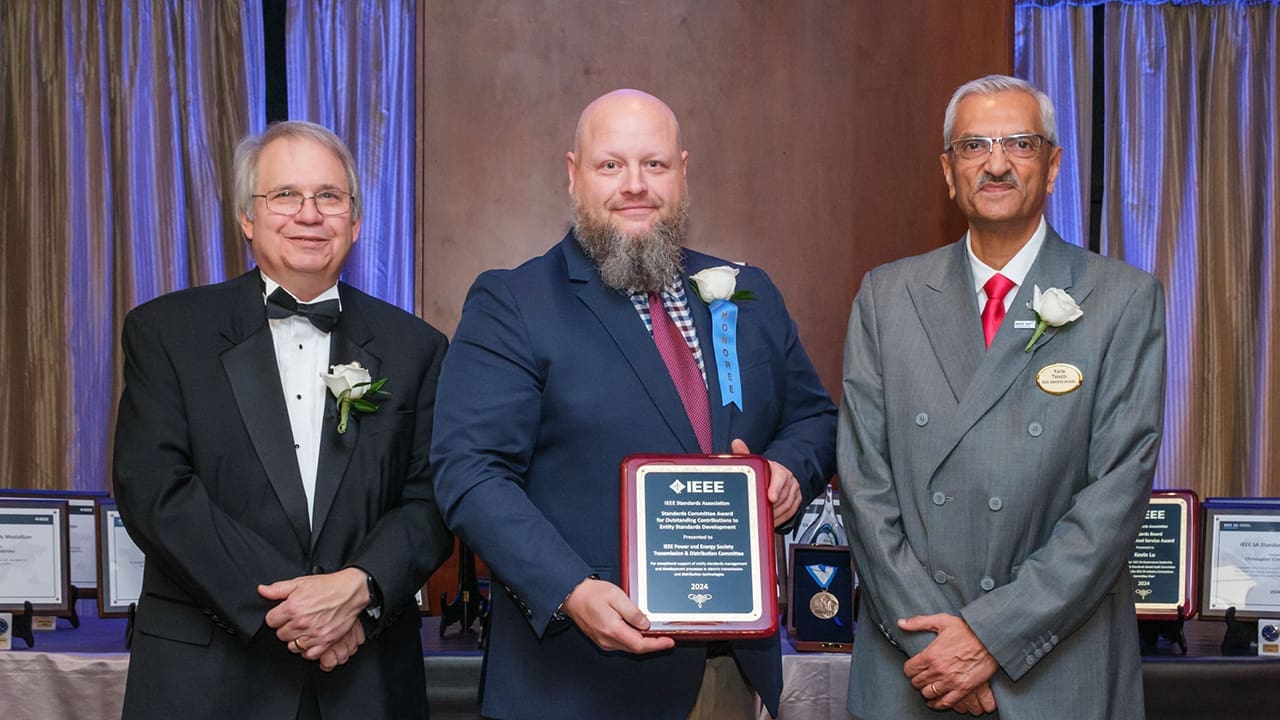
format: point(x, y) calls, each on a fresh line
point(997, 287)
point(684, 371)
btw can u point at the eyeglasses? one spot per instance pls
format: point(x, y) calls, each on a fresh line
point(1023, 146)
point(289, 202)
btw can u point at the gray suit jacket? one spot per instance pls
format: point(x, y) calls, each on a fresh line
point(969, 490)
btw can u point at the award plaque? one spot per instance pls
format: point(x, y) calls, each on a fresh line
point(821, 598)
point(1164, 559)
point(1241, 558)
point(80, 531)
point(120, 564)
point(35, 565)
point(697, 545)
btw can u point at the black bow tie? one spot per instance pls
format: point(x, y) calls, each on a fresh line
point(323, 314)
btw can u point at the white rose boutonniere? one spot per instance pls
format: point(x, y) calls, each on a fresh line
point(717, 286)
point(719, 283)
point(1053, 308)
point(351, 385)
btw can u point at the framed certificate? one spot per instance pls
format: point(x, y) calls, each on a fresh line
point(698, 546)
point(81, 531)
point(1241, 558)
point(1165, 557)
point(35, 562)
point(120, 563)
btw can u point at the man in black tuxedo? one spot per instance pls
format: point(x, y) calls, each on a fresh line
point(279, 546)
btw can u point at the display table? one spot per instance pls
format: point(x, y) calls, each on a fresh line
point(1199, 686)
point(79, 675)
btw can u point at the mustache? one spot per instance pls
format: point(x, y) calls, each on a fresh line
point(1007, 178)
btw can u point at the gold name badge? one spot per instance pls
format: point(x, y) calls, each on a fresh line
point(1059, 378)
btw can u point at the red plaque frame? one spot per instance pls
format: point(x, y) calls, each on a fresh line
point(762, 619)
point(1190, 532)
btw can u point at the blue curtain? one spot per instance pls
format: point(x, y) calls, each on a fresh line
point(350, 67)
point(1191, 193)
point(120, 118)
point(1054, 52)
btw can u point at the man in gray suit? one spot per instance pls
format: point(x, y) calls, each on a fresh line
point(996, 459)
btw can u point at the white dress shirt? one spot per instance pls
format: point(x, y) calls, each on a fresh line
point(302, 356)
point(1016, 269)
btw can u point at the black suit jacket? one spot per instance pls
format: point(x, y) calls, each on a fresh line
point(208, 486)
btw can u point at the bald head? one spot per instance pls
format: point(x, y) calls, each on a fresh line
point(627, 182)
point(608, 108)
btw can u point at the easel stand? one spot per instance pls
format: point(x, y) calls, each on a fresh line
point(22, 625)
point(1241, 637)
point(128, 626)
point(1150, 632)
point(469, 605)
point(72, 616)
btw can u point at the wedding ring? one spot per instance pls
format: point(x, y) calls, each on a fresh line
point(934, 689)
point(298, 643)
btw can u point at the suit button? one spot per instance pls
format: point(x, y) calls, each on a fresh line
point(1035, 429)
point(922, 419)
point(987, 584)
point(995, 504)
point(939, 498)
point(1039, 653)
point(317, 570)
point(1031, 660)
point(1046, 647)
point(1053, 639)
point(939, 577)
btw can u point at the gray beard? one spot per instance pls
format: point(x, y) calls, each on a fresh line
point(640, 263)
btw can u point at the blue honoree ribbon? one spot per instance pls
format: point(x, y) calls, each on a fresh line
point(724, 317)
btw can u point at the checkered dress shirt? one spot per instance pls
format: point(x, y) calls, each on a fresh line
point(676, 302)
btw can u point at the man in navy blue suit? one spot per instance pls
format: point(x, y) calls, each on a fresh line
point(555, 375)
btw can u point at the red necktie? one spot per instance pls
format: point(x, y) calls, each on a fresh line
point(997, 287)
point(684, 371)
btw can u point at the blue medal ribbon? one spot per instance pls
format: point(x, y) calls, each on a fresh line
point(819, 572)
point(724, 318)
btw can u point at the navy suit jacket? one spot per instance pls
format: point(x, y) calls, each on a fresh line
point(208, 486)
point(551, 380)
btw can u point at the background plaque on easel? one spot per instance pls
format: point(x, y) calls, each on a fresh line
point(120, 563)
point(1164, 559)
point(35, 559)
point(1241, 550)
point(81, 508)
point(821, 598)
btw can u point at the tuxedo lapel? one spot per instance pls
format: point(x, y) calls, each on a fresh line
point(250, 364)
point(620, 319)
point(947, 305)
point(1007, 358)
point(347, 344)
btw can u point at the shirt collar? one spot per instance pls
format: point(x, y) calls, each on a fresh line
point(1017, 267)
point(673, 290)
point(269, 286)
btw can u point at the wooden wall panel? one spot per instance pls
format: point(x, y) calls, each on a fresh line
point(764, 95)
point(909, 56)
point(813, 129)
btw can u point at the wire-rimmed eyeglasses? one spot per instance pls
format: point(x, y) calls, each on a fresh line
point(1023, 146)
point(290, 202)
